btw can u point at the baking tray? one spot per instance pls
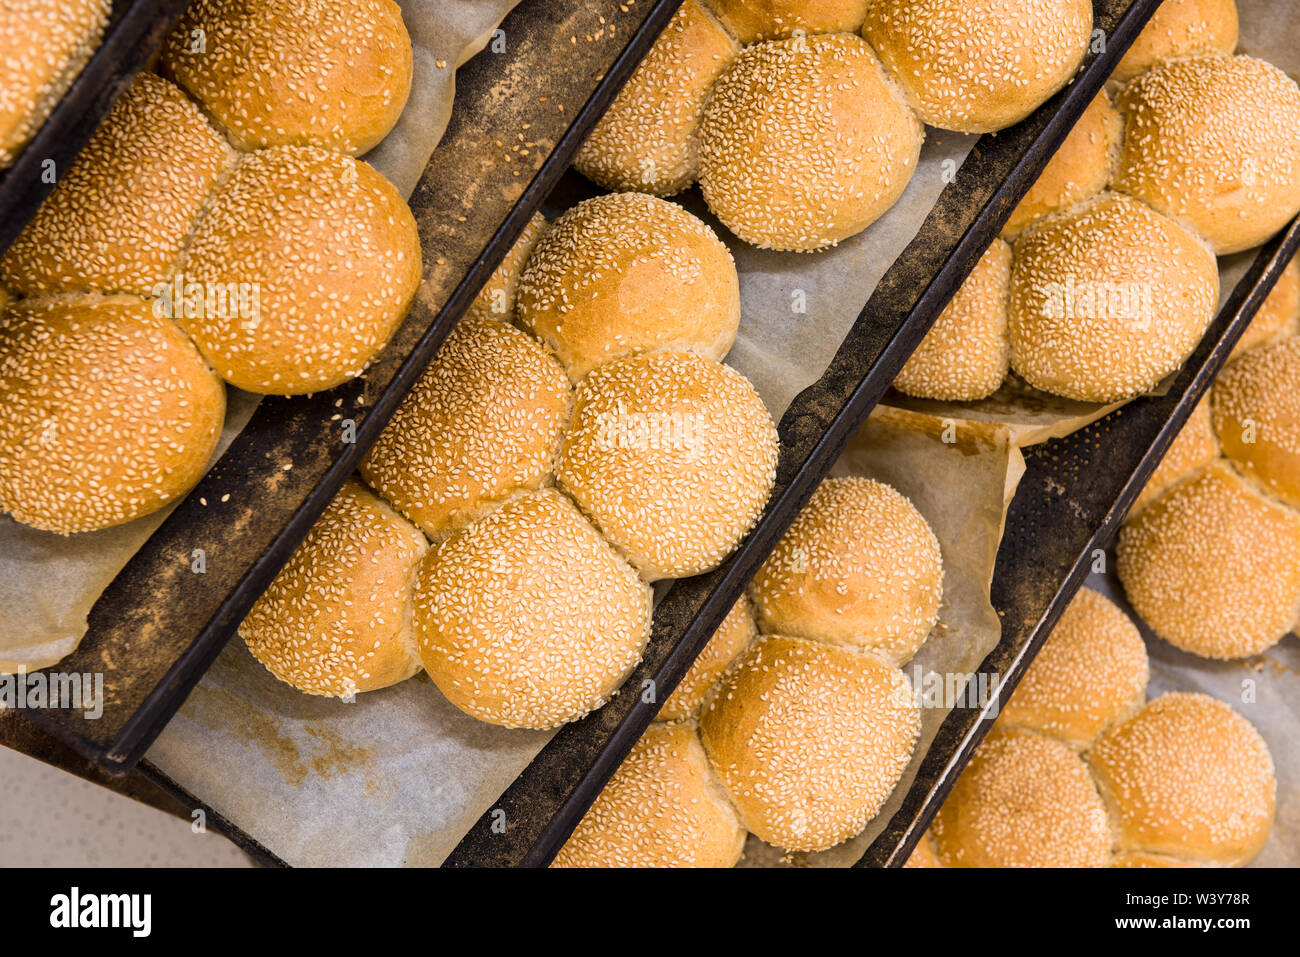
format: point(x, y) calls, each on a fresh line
point(1068, 508)
point(134, 34)
point(549, 798)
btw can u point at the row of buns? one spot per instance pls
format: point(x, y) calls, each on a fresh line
point(215, 231)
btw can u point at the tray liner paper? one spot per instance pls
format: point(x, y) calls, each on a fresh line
point(48, 583)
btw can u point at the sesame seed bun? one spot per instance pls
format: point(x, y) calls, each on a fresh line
point(805, 142)
point(964, 356)
point(43, 46)
point(752, 20)
point(923, 855)
point(331, 73)
point(496, 300)
point(672, 456)
point(732, 637)
point(527, 618)
point(624, 272)
point(1181, 28)
point(649, 139)
point(1091, 672)
point(1193, 446)
point(662, 808)
point(108, 412)
point(119, 216)
point(1107, 299)
point(1213, 566)
point(1257, 417)
point(483, 422)
point(1214, 142)
point(978, 66)
point(1144, 859)
point(1279, 315)
point(1078, 170)
point(809, 739)
point(337, 619)
point(332, 249)
point(1187, 776)
point(1024, 800)
point(859, 566)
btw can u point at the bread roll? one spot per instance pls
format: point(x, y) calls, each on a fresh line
point(1193, 446)
point(1214, 142)
point(1107, 299)
point(527, 618)
point(107, 410)
point(43, 46)
point(624, 272)
point(859, 566)
point(1213, 566)
point(119, 216)
point(1091, 672)
point(732, 637)
point(337, 619)
point(809, 739)
point(1279, 315)
point(672, 456)
point(752, 20)
point(978, 66)
point(662, 808)
point(1144, 859)
point(1187, 776)
point(483, 422)
point(964, 356)
point(1077, 171)
point(805, 142)
point(331, 73)
point(1180, 28)
point(1257, 417)
point(1024, 800)
point(329, 252)
point(923, 855)
point(649, 138)
point(496, 300)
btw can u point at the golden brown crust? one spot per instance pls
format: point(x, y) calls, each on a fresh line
point(965, 355)
point(496, 300)
point(923, 855)
point(527, 618)
point(482, 422)
point(1278, 317)
point(1081, 168)
point(805, 142)
point(1214, 142)
point(331, 73)
point(337, 618)
point(649, 138)
point(809, 739)
point(1193, 446)
point(119, 217)
point(1091, 672)
point(859, 566)
point(752, 20)
point(662, 808)
point(1107, 299)
point(673, 457)
point(624, 272)
point(108, 412)
point(732, 637)
point(43, 46)
point(1181, 28)
point(331, 251)
point(978, 66)
point(1024, 800)
point(1256, 404)
point(1213, 566)
point(1187, 776)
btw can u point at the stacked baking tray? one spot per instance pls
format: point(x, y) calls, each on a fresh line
point(170, 626)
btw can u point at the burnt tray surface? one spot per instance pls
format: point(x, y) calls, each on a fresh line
point(135, 32)
point(159, 625)
point(1068, 508)
point(546, 802)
